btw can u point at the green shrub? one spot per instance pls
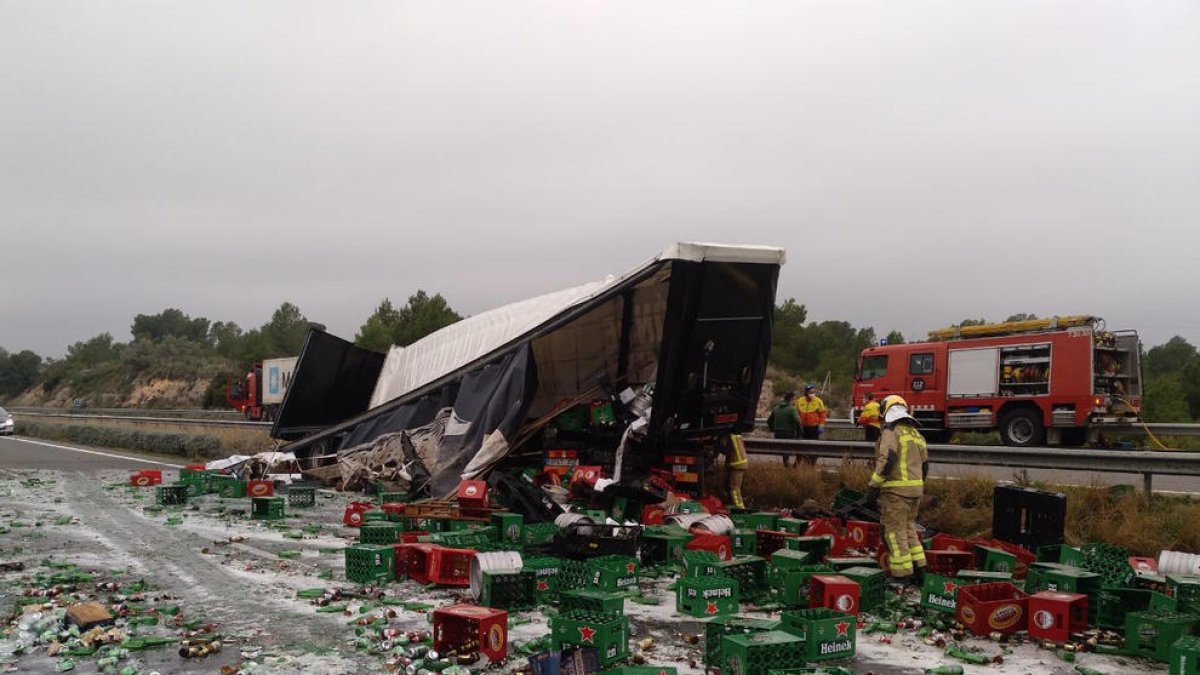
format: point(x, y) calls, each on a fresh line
point(167, 443)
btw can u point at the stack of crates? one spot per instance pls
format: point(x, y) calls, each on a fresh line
point(369, 564)
point(700, 563)
point(606, 633)
point(751, 574)
point(1151, 634)
point(716, 629)
point(386, 533)
point(509, 590)
point(266, 508)
point(872, 584)
point(827, 634)
point(706, 596)
point(301, 497)
point(594, 602)
point(171, 495)
point(760, 653)
point(545, 572)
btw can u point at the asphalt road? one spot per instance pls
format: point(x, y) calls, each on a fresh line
point(28, 453)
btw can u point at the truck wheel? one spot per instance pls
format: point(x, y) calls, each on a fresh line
point(1022, 428)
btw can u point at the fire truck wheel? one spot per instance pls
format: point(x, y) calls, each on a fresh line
point(1022, 428)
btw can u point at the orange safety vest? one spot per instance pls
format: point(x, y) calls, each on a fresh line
point(812, 413)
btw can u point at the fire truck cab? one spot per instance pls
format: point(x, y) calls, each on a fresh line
point(1040, 381)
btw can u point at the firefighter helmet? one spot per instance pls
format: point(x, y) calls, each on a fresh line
point(894, 408)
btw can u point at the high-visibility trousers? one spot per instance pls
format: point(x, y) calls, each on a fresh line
point(898, 516)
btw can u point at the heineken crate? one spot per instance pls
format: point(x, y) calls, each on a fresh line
point(785, 559)
point(720, 626)
point(1110, 562)
point(378, 533)
point(872, 585)
point(595, 602)
point(984, 577)
point(641, 670)
point(613, 573)
point(751, 574)
point(301, 497)
point(190, 471)
point(374, 515)
point(760, 653)
point(392, 497)
point(1185, 656)
point(1061, 554)
point(1151, 634)
point(1114, 604)
point(940, 593)
point(266, 508)
point(758, 520)
point(1186, 591)
point(686, 506)
point(369, 564)
point(1066, 580)
point(847, 562)
point(468, 538)
point(606, 633)
point(817, 547)
point(507, 526)
point(573, 575)
point(664, 545)
point(171, 495)
point(194, 485)
point(534, 534)
point(991, 559)
point(508, 590)
point(231, 488)
point(706, 596)
point(545, 572)
point(792, 525)
point(791, 588)
point(827, 634)
point(743, 541)
point(700, 563)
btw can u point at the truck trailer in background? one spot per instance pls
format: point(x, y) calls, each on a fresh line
point(260, 394)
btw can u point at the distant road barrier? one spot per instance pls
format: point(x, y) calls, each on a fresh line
point(86, 416)
point(1157, 428)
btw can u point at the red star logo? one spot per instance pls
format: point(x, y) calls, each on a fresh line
point(543, 586)
point(948, 587)
point(842, 627)
point(630, 567)
point(587, 634)
point(712, 608)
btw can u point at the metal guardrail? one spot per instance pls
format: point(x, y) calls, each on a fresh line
point(147, 420)
point(1148, 463)
point(1157, 428)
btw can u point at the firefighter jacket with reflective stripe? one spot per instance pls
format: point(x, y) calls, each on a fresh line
point(901, 460)
point(812, 413)
point(737, 453)
point(870, 415)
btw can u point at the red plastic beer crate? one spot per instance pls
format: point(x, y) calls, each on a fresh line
point(470, 627)
point(949, 542)
point(586, 475)
point(863, 535)
point(559, 461)
point(1025, 558)
point(1054, 616)
point(992, 608)
point(353, 516)
point(834, 591)
point(473, 494)
point(260, 488)
point(948, 563)
point(146, 478)
point(720, 545)
point(769, 541)
point(819, 526)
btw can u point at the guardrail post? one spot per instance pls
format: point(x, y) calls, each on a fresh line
point(1148, 485)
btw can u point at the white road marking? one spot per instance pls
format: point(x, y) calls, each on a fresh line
point(102, 454)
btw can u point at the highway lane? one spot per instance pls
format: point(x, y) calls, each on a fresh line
point(18, 452)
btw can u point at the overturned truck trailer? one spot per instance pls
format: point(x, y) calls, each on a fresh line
point(676, 349)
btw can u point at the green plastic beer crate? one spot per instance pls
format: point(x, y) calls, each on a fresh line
point(1066, 580)
point(171, 495)
point(985, 577)
point(995, 560)
point(266, 508)
point(760, 653)
point(231, 488)
point(743, 541)
point(1114, 604)
point(872, 585)
point(1186, 591)
point(791, 588)
point(374, 516)
point(1151, 634)
point(545, 573)
point(608, 634)
point(784, 559)
point(686, 506)
point(940, 593)
point(720, 626)
point(595, 602)
point(664, 545)
point(758, 520)
point(700, 563)
point(613, 573)
point(1061, 554)
point(573, 575)
point(509, 590)
point(706, 596)
point(535, 534)
point(507, 526)
point(751, 574)
point(369, 564)
point(817, 547)
point(301, 497)
point(827, 634)
point(641, 670)
point(1185, 656)
point(392, 497)
point(846, 562)
point(378, 533)
point(792, 525)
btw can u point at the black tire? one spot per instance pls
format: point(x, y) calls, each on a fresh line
point(1022, 428)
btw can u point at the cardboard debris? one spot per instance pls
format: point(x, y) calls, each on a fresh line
point(88, 614)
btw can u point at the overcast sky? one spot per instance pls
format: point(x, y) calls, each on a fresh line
point(921, 162)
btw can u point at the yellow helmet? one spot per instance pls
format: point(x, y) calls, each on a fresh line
point(893, 409)
point(891, 400)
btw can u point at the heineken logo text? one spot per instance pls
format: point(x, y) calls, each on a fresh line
point(835, 647)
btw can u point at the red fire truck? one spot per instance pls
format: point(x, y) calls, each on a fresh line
point(1037, 381)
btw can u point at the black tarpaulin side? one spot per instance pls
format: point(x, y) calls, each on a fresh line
point(332, 382)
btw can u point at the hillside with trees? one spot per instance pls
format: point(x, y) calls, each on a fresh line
point(176, 360)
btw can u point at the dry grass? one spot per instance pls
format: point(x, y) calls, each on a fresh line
point(1095, 513)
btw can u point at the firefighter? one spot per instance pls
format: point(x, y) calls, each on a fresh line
point(869, 418)
point(897, 484)
point(735, 466)
point(784, 420)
